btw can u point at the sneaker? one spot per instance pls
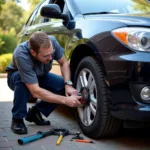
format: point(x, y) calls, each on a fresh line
point(18, 126)
point(35, 116)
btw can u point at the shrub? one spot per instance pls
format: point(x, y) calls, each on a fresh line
point(5, 59)
point(1, 43)
point(8, 42)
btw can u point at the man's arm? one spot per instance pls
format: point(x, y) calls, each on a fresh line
point(64, 67)
point(48, 96)
point(65, 70)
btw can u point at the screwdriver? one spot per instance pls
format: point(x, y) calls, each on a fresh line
point(59, 140)
point(84, 141)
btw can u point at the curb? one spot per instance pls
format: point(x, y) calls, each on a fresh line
point(3, 75)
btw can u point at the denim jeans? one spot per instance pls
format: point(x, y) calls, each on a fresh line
point(50, 82)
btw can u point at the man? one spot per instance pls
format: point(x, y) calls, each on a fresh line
point(28, 75)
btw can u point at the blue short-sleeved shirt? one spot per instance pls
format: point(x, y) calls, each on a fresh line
point(30, 69)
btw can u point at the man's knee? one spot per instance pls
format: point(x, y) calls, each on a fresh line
point(14, 80)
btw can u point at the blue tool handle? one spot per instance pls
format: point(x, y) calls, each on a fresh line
point(28, 139)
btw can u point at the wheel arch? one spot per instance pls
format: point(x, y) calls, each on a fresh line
point(79, 53)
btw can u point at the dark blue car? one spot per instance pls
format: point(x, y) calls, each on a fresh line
point(108, 46)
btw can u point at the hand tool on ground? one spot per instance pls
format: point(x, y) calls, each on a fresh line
point(84, 141)
point(34, 137)
point(60, 132)
point(77, 136)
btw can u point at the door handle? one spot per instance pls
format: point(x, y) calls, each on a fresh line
point(26, 34)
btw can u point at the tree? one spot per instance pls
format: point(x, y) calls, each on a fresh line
point(1, 3)
point(142, 5)
point(34, 2)
point(11, 16)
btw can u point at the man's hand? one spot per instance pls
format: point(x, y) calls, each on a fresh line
point(69, 90)
point(73, 101)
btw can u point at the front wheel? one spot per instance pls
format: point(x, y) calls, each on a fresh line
point(94, 117)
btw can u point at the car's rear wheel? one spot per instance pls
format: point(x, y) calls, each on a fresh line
point(94, 117)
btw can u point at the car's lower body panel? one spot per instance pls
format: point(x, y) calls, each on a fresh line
point(127, 101)
point(134, 112)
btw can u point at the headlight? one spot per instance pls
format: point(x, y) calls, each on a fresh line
point(145, 93)
point(135, 38)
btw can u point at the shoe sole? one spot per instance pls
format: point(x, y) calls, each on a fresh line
point(27, 119)
point(19, 132)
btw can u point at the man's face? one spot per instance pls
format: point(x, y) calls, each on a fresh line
point(44, 55)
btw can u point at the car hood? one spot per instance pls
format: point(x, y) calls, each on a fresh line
point(128, 19)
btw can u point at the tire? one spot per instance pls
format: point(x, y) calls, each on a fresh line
point(94, 118)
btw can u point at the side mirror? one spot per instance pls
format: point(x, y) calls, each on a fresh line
point(53, 11)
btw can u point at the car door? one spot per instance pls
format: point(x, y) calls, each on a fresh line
point(32, 24)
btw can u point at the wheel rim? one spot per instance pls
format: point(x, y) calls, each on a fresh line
point(87, 112)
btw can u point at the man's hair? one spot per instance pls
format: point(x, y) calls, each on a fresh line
point(39, 40)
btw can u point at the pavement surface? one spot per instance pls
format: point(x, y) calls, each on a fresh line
point(131, 139)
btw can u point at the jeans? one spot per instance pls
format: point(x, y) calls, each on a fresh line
point(50, 82)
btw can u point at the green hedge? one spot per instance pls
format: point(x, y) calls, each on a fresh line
point(8, 41)
point(5, 59)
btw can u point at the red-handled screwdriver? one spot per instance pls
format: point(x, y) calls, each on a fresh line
point(84, 141)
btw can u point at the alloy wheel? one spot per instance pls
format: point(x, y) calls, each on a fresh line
point(87, 112)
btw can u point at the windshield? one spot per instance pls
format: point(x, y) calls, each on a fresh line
point(115, 6)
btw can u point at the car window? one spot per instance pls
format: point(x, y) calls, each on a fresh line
point(66, 11)
point(60, 3)
point(38, 18)
point(116, 6)
point(31, 17)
